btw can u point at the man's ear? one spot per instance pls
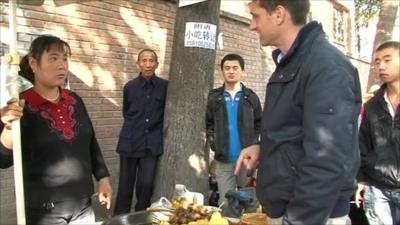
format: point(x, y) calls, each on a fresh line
point(137, 65)
point(280, 14)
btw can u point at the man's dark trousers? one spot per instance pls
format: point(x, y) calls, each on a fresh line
point(142, 171)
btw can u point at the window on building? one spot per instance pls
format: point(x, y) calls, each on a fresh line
point(309, 17)
point(338, 24)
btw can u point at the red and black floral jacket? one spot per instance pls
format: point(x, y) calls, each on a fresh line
point(59, 149)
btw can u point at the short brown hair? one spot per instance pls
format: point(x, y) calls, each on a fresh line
point(298, 8)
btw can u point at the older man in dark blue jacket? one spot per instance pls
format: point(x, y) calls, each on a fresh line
point(141, 138)
point(309, 141)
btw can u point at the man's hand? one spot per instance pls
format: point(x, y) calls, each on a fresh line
point(358, 198)
point(105, 192)
point(248, 157)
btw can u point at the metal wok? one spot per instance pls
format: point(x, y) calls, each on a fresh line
point(136, 218)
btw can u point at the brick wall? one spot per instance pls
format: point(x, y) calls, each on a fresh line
point(105, 37)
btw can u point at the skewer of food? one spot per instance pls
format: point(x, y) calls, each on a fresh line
point(185, 213)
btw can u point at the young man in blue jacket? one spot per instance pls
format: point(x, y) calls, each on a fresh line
point(379, 174)
point(309, 153)
point(233, 122)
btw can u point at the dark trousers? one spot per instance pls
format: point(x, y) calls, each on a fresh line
point(142, 171)
point(78, 211)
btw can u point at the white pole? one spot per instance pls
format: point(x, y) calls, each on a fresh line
point(13, 86)
point(3, 88)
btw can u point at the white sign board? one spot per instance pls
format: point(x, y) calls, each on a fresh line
point(200, 35)
point(189, 2)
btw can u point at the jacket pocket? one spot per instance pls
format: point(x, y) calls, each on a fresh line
point(124, 145)
point(293, 156)
point(327, 109)
point(286, 75)
point(159, 102)
point(278, 173)
point(126, 130)
point(124, 140)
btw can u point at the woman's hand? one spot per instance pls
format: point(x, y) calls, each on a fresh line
point(12, 112)
point(105, 192)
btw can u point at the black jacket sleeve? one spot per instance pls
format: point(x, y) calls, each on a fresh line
point(6, 156)
point(210, 123)
point(257, 119)
point(99, 168)
point(365, 142)
point(125, 103)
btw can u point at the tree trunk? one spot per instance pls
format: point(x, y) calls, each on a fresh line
point(384, 30)
point(185, 158)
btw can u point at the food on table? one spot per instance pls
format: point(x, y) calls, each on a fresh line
point(183, 212)
point(217, 219)
point(254, 219)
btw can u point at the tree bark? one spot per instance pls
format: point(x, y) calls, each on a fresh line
point(384, 30)
point(185, 158)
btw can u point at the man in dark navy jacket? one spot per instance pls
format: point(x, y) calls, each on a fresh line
point(141, 138)
point(309, 153)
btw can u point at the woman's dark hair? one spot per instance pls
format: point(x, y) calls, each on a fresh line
point(25, 70)
point(38, 46)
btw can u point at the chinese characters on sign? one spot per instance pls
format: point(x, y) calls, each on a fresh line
point(200, 35)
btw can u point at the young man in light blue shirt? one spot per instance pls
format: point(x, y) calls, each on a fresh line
point(233, 123)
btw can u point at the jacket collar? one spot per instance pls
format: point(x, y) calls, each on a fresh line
point(245, 90)
point(143, 81)
point(305, 36)
point(380, 95)
point(381, 90)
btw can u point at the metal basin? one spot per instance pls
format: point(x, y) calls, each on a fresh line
point(136, 218)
